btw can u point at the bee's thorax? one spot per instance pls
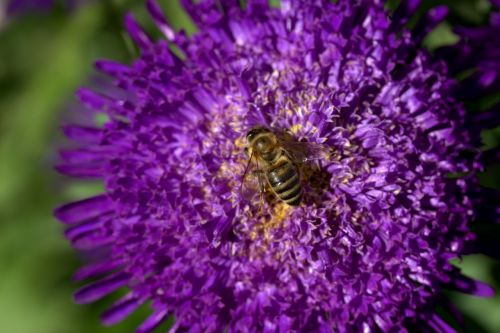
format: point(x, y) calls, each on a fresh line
point(265, 144)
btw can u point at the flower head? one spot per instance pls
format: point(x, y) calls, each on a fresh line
point(369, 247)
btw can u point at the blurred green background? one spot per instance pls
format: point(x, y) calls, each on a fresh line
point(44, 57)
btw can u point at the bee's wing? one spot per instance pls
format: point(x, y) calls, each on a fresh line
point(316, 151)
point(253, 180)
point(304, 151)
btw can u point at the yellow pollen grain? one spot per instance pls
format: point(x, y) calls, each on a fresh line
point(280, 213)
point(240, 143)
point(295, 128)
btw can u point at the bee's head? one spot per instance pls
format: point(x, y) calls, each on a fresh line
point(252, 134)
point(260, 139)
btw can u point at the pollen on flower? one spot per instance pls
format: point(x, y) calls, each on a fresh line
point(231, 174)
point(270, 221)
point(241, 142)
point(296, 128)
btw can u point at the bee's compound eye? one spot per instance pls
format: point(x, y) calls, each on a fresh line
point(250, 135)
point(253, 132)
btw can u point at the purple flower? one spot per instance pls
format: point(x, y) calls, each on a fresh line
point(17, 7)
point(477, 59)
point(479, 48)
point(368, 249)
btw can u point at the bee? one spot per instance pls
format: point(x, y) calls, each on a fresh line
point(275, 158)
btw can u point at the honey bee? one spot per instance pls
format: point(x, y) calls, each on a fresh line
point(275, 161)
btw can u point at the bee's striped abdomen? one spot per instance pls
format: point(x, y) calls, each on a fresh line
point(285, 182)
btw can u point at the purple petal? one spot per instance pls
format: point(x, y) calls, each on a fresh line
point(452, 310)
point(17, 7)
point(440, 326)
point(91, 240)
point(94, 101)
point(82, 210)
point(82, 134)
point(96, 270)
point(471, 286)
point(137, 34)
point(112, 68)
point(99, 289)
point(160, 20)
point(152, 322)
point(75, 156)
point(120, 310)
point(404, 11)
point(435, 16)
point(75, 231)
point(88, 170)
